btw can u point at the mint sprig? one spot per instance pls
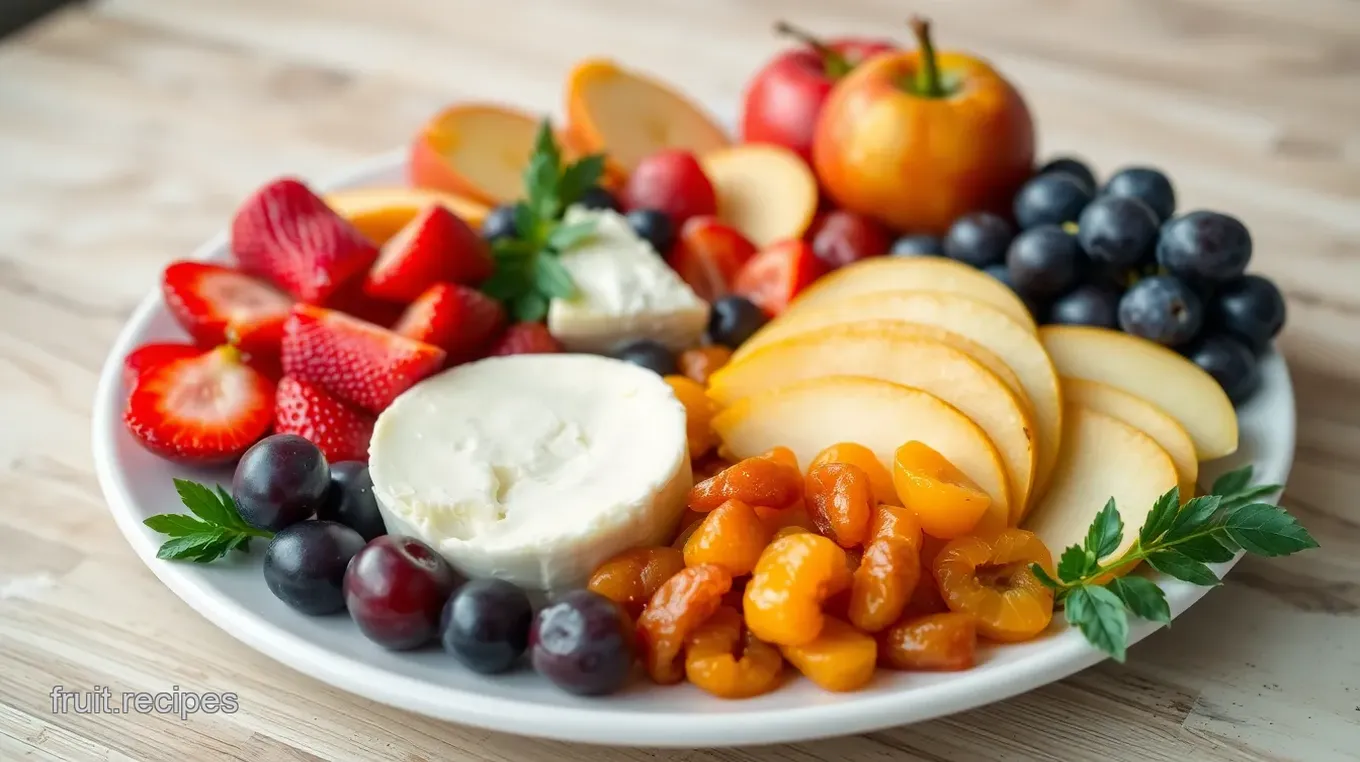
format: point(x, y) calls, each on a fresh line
point(1179, 541)
point(214, 529)
point(528, 273)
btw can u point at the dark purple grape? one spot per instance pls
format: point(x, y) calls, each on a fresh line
point(1073, 166)
point(649, 354)
point(1251, 309)
point(733, 320)
point(1043, 262)
point(920, 245)
point(396, 588)
point(1051, 199)
point(304, 565)
point(1230, 362)
point(596, 197)
point(1118, 232)
point(1161, 309)
point(351, 502)
point(1087, 304)
point(281, 480)
point(485, 625)
point(1147, 185)
point(583, 644)
point(654, 227)
point(978, 239)
point(500, 223)
point(1204, 247)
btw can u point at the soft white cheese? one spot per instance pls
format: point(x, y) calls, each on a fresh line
point(533, 468)
point(624, 291)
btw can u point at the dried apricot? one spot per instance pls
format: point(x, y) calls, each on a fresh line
point(686, 530)
point(795, 515)
point(840, 500)
point(632, 577)
point(794, 576)
point(732, 536)
point(723, 658)
point(702, 362)
point(678, 608)
point(840, 658)
point(990, 579)
point(708, 466)
point(699, 412)
point(864, 458)
point(935, 642)
point(758, 481)
point(782, 455)
point(947, 502)
point(788, 530)
point(883, 583)
point(895, 521)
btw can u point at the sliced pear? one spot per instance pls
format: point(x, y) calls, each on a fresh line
point(810, 415)
point(1144, 416)
point(1153, 372)
point(974, 320)
point(918, 362)
point(765, 191)
point(878, 274)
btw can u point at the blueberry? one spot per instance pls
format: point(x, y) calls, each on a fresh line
point(281, 480)
point(919, 245)
point(649, 354)
point(596, 197)
point(1073, 166)
point(1001, 273)
point(1204, 247)
point(1087, 304)
point(733, 320)
point(350, 500)
point(1118, 232)
point(653, 227)
point(304, 565)
point(500, 223)
point(1251, 309)
point(978, 239)
point(1043, 261)
point(1230, 362)
point(485, 625)
point(1147, 185)
point(583, 644)
point(1051, 199)
point(1161, 309)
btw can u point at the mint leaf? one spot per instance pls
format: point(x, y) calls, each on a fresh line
point(1205, 549)
point(1100, 616)
point(579, 177)
point(1141, 596)
point(1193, 517)
point(176, 525)
point(1267, 530)
point(1042, 576)
point(545, 144)
point(1161, 516)
point(1182, 567)
point(530, 307)
point(526, 225)
point(1074, 564)
point(552, 279)
point(204, 503)
point(215, 528)
point(1232, 482)
point(192, 546)
point(1250, 495)
point(1106, 532)
point(510, 279)
point(565, 236)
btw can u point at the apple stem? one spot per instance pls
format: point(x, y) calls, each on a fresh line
point(928, 75)
point(836, 64)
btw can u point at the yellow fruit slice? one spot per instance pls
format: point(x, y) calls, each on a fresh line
point(766, 192)
point(380, 212)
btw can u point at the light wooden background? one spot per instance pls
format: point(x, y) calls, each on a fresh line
point(129, 131)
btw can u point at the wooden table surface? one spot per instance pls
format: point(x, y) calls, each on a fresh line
point(130, 129)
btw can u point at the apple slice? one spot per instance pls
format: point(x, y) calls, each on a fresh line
point(765, 191)
point(1102, 458)
point(811, 415)
point(1144, 416)
point(629, 116)
point(878, 274)
point(1153, 372)
point(476, 150)
point(974, 320)
point(379, 213)
point(918, 362)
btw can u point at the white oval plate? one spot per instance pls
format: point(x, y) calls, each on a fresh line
point(232, 595)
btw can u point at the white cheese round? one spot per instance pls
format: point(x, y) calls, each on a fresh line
point(533, 468)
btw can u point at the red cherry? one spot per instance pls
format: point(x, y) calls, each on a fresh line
point(671, 182)
point(395, 589)
point(842, 237)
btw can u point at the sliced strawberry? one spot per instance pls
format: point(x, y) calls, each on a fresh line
point(708, 255)
point(341, 431)
point(352, 300)
point(460, 320)
point(148, 356)
point(434, 247)
point(526, 339)
point(220, 305)
point(361, 363)
point(284, 232)
point(204, 409)
point(777, 274)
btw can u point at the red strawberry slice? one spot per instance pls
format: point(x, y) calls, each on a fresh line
point(708, 255)
point(205, 409)
point(220, 305)
point(287, 234)
point(526, 339)
point(460, 320)
point(361, 363)
point(149, 356)
point(352, 300)
point(434, 247)
point(341, 431)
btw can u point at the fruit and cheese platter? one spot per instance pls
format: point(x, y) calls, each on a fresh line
point(610, 423)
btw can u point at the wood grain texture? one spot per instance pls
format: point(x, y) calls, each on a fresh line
point(131, 128)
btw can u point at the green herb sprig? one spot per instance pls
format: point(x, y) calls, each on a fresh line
point(1176, 540)
point(215, 528)
point(528, 273)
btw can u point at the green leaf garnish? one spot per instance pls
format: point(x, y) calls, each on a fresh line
point(215, 528)
point(1106, 531)
point(1142, 597)
point(1101, 617)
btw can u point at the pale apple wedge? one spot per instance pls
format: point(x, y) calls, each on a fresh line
point(810, 415)
point(1144, 416)
point(1153, 372)
point(922, 363)
point(1102, 458)
point(974, 320)
point(765, 191)
point(878, 274)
